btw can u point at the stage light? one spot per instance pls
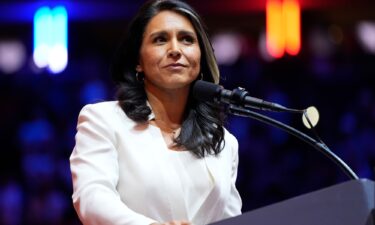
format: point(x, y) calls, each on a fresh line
point(283, 27)
point(291, 18)
point(366, 35)
point(42, 36)
point(227, 47)
point(12, 56)
point(51, 38)
point(275, 39)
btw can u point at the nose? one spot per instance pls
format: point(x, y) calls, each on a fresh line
point(174, 50)
point(174, 53)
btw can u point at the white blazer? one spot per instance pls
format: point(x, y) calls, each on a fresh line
point(121, 173)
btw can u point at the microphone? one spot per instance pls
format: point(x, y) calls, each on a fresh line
point(206, 91)
point(239, 101)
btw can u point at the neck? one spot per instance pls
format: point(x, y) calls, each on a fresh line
point(168, 107)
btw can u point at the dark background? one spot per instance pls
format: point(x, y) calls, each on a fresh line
point(333, 72)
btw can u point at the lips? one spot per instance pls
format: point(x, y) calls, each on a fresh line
point(175, 65)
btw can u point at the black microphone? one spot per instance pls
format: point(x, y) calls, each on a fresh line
point(206, 91)
point(239, 101)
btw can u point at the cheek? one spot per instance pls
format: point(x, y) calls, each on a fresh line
point(149, 58)
point(194, 55)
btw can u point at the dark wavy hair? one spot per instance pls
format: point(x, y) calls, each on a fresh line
point(202, 130)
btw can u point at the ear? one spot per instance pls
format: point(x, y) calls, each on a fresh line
point(138, 68)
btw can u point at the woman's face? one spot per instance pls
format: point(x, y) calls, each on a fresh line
point(170, 54)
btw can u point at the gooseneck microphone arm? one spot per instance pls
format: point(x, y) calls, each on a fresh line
point(240, 111)
point(239, 103)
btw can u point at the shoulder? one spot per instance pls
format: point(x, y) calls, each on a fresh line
point(230, 139)
point(107, 107)
point(232, 143)
point(230, 146)
point(101, 106)
point(108, 110)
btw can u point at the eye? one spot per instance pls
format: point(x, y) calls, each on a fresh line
point(188, 39)
point(159, 40)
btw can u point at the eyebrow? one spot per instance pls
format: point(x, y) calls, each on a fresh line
point(164, 33)
point(185, 32)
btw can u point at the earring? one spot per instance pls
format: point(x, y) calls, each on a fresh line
point(139, 79)
point(201, 77)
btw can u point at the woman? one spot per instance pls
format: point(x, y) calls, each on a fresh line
point(157, 156)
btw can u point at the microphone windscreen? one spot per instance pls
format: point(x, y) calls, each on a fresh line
point(313, 115)
point(205, 91)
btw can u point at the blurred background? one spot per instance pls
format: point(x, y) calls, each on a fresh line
point(55, 58)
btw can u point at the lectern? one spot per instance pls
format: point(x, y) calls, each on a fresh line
point(348, 203)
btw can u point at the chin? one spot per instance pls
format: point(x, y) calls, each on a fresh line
point(180, 80)
point(179, 84)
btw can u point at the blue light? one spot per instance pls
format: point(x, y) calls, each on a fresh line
point(60, 23)
point(42, 36)
point(51, 38)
